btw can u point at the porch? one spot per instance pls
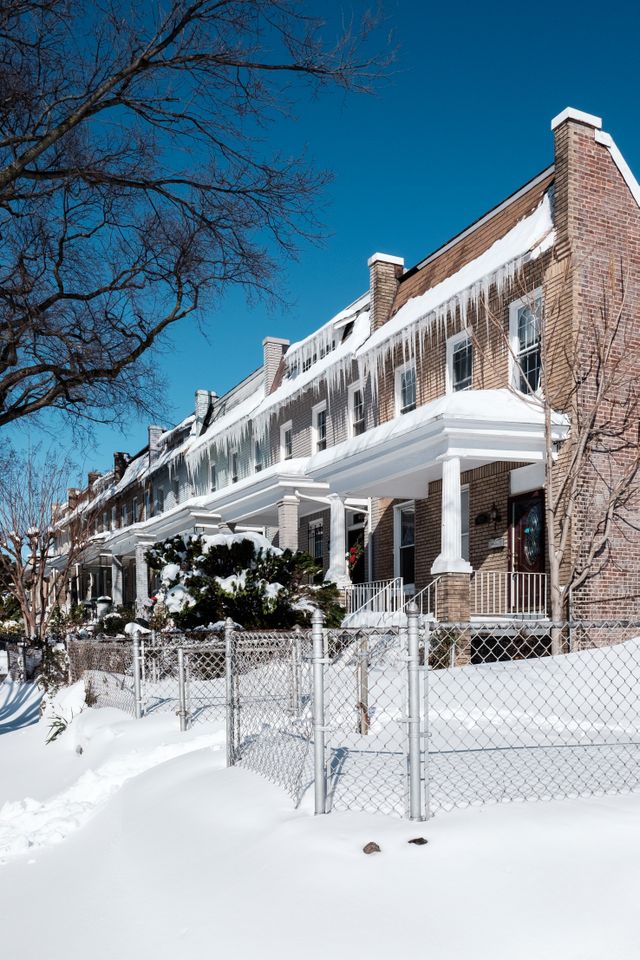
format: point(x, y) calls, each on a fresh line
point(493, 595)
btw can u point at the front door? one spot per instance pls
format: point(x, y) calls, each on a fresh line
point(527, 552)
point(355, 545)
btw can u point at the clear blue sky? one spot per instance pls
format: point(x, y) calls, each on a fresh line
point(463, 120)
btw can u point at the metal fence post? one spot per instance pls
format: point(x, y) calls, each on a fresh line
point(229, 683)
point(137, 691)
point(319, 763)
point(182, 697)
point(425, 725)
point(413, 719)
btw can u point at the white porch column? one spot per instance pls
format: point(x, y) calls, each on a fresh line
point(142, 580)
point(288, 523)
point(450, 559)
point(337, 571)
point(116, 581)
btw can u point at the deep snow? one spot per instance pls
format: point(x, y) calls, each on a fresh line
point(185, 858)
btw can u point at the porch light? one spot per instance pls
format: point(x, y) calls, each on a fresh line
point(494, 515)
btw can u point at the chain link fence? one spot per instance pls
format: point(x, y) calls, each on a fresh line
point(407, 720)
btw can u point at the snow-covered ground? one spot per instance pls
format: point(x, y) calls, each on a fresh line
point(139, 843)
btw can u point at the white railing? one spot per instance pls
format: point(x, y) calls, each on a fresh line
point(376, 596)
point(504, 594)
point(426, 599)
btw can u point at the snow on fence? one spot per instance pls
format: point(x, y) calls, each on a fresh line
point(412, 719)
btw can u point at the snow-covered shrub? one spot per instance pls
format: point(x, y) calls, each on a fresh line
point(204, 579)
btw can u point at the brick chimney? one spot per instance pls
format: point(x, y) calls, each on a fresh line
point(120, 463)
point(384, 273)
point(274, 348)
point(203, 404)
point(155, 433)
point(92, 476)
point(73, 496)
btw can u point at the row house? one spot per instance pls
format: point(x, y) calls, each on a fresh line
point(411, 442)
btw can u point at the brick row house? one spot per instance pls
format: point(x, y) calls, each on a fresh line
point(431, 423)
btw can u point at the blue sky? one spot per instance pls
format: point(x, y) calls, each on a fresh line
point(461, 122)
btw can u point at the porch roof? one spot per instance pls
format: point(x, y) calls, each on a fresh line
point(398, 458)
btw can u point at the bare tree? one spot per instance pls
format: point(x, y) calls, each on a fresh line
point(31, 490)
point(135, 185)
point(586, 370)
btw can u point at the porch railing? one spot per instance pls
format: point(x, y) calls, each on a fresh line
point(426, 599)
point(504, 594)
point(376, 596)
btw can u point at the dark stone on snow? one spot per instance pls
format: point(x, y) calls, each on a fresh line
point(371, 847)
point(419, 841)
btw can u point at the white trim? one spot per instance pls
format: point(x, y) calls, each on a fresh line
point(234, 452)
point(351, 392)
point(607, 141)
point(315, 412)
point(452, 343)
point(283, 430)
point(570, 113)
point(409, 365)
point(514, 341)
point(385, 258)
point(397, 510)
point(526, 479)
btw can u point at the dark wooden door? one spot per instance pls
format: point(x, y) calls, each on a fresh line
point(355, 538)
point(527, 551)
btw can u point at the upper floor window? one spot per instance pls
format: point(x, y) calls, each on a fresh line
point(459, 362)
point(105, 520)
point(114, 518)
point(319, 427)
point(234, 466)
point(286, 441)
point(356, 410)
point(134, 510)
point(406, 388)
point(258, 457)
point(159, 500)
point(147, 504)
point(124, 515)
point(213, 477)
point(525, 326)
point(175, 487)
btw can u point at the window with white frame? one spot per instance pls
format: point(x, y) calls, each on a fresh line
point(175, 486)
point(257, 463)
point(147, 504)
point(286, 441)
point(124, 515)
point(525, 325)
point(159, 500)
point(406, 388)
point(316, 543)
point(464, 523)
point(134, 510)
point(105, 520)
point(459, 362)
point(356, 410)
point(114, 518)
point(233, 466)
point(405, 542)
point(213, 477)
point(319, 427)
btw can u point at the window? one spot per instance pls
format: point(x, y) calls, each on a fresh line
point(405, 543)
point(525, 317)
point(114, 518)
point(406, 388)
point(319, 427)
point(159, 500)
point(134, 510)
point(258, 457)
point(105, 520)
point(234, 466)
point(213, 477)
point(124, 515)
point(286, 441)
point(175, 487)
point(356, 410)
point(459, 362)
point(464, 523)
point(316, 540)
point(147, 504)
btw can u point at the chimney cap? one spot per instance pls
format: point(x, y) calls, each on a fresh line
point(280, 340)
point(385, 258)
point(570, 113)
